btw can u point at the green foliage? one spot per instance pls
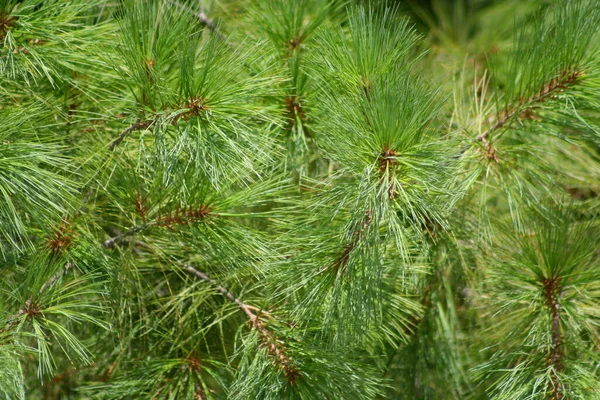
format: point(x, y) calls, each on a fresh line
point(299, 199)
point(546, 312)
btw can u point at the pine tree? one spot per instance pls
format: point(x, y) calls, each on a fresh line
point(311, 199)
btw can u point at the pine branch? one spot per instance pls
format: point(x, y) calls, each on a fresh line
point(30, 308)
point(181, 216)
point(550, 292)
point(193, 108)
point(248, 309)
point(268, 339)
point(342, 260)
point(296, 115)
point(524, 108)
point(59, 241)
point(387, 162)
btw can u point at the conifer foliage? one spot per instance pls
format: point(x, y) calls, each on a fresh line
point(307, 199)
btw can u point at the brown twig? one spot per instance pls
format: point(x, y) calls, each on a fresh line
point(268, 339)
point(244, 307)
point(193, 106)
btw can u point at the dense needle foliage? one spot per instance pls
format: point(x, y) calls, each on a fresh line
point(307, 199)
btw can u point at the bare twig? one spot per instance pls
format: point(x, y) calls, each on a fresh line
point(269, 341)
point(525, 109)
point(114, 240)
point(50, 282)
point(138, 125)
point(557, 85)
point(202, 18)
point(243, 306)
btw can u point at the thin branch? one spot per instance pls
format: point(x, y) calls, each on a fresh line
point(525, 107)
point(269, 341)
point(114, 240)
point(202, 18)
point(181, 216)
point(557, 85)
point(137, 126)
point(550, 291)
point(50, 282)
point(342, 260)
point(243, 306)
